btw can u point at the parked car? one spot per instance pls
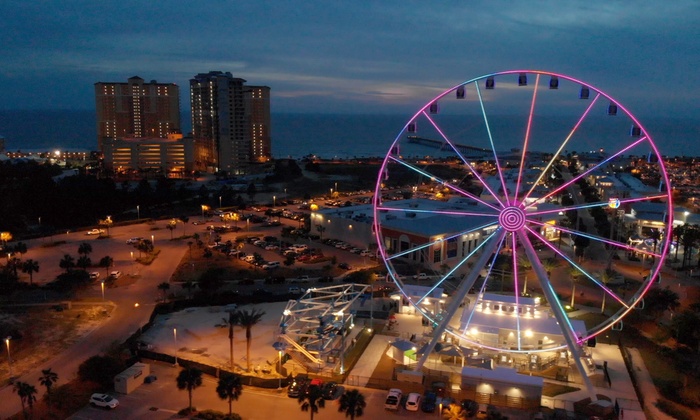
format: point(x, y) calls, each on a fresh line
point(94, 276)
point(95, 232)
point(429, 402)
point(297, 387)
point(103, 400)
point(294, 290)
point(345, 266)
point(133, 241)
point(115, 274)
point(413, 401)
point(329, 390)
point(393, 399)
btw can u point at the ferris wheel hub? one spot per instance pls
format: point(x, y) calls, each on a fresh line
point(512, 218)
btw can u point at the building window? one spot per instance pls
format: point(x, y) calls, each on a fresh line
point(437, 255)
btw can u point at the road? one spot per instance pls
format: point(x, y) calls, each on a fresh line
point(125, 318)
point(162, 400)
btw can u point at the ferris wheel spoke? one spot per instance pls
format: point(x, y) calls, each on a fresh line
point(429, 244)
point(561, 148)
point(582, 270)
point(443, 182)
point(459, 264)
point(493, 147)
point(516, 286)
point(527, 140)
point(616, 244)
point(464, 160)
point(596, 204)
point(445, 212)
point(587, 172)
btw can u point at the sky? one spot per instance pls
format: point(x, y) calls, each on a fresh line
point(349, 56)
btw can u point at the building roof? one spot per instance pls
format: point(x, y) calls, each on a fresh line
point(503, 374)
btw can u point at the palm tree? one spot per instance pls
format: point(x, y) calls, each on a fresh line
point(229, 388)
point(27, 393)
point(233, 319)
point(164, 287)
point(84, 248)
point(248, 319)
point(454, 412)
point(574, 274)
point(605, 277)
point(47, 379)
point(171, 227)
point(189, 379)
point(184, 220)
point(30, 267)
point(67, 263)
point(352, 403)
point(84, 262)
point(312, 400)
point(106, 262)
point(189, 285)
point(524, 264)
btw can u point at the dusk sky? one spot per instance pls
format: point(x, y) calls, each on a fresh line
point(349, 57)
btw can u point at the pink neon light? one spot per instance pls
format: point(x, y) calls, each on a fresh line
point(447, 184)
point(493, 147)
point(527, 139)
point(452, 213)
point(599, 204)
point(561, 254)
point(554, 157)
point(583, 174)
point(473, 171)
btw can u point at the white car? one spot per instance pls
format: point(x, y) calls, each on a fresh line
point(133, 241)
point(393, 400)
point(94, 276)
point(103, 400)
point(95, 232)
point(115, 274)
point(413, 401)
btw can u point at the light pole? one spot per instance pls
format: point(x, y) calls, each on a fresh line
point(103, 289)
point(153, 240)
point(279, 384)
point(138, 212)
point(9, 357)
point(274, 201)
point(219, 202)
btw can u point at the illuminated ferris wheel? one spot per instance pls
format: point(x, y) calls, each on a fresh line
point(507, 196)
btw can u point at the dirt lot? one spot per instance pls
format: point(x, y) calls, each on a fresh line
point(45, 331)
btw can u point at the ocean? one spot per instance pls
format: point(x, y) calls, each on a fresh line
point(297, 135)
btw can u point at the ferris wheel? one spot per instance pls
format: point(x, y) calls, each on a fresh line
point(508, 197)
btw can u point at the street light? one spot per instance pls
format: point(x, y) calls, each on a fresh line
point(219, 202)
point(9, 357)
point(175, 338)
point(153, 240)
point(274, 201)
point(103, 289)
point(279, 385)
point(138, 212)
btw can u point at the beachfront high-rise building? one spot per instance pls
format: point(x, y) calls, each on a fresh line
point(231, 119)
point(136, 109)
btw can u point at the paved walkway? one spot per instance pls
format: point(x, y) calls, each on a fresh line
point(370, 358)
point(646, 386)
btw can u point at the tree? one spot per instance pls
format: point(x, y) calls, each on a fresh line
point(352, 403)
point(189, 379)
point(229, 388)
point(171, 227)
point(84, 262)
point(107, 223)
point(189, 285)
point(84, 249)
point(30, 267)
point(524, 264)
point(67, 263)
point(320, 229)
point(20, 248)
point(144, 246)
point(47, 379)
point(252, 190)
point(106, 262)
point(454, 412)
point(312, 400)
point(248, 319)
point(574, 274)
point(27, 393)
point(605, 277)
point(184, 220)
point(231, 322)
point(659, 300)
point(164, 287)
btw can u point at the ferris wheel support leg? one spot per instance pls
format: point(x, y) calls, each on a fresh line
point(458, 297)
point(559, 315)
